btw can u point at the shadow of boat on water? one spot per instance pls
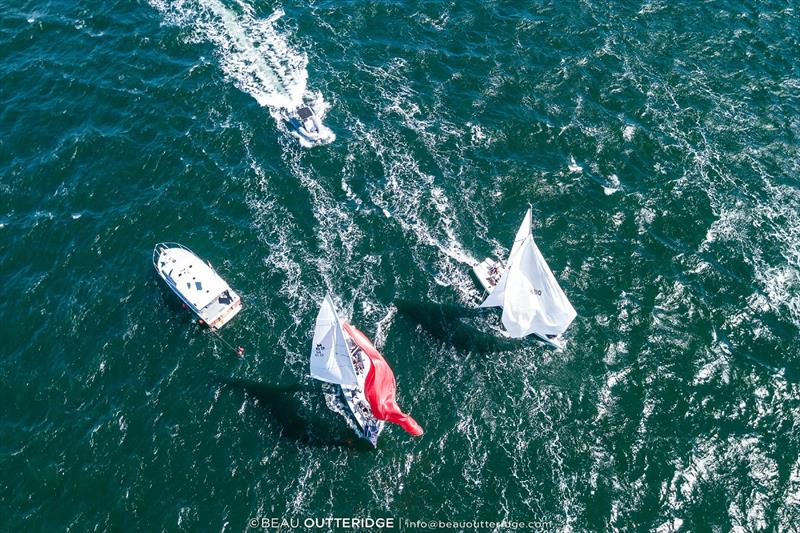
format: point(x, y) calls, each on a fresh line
point(295, 422)
point(446, 322)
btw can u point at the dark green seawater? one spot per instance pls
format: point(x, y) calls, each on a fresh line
point(657, 142)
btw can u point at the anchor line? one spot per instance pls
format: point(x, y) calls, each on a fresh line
point(239, 351)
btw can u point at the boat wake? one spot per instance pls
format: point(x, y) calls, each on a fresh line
point(253, 54)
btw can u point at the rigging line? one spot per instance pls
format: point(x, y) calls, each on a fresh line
point(239, 351)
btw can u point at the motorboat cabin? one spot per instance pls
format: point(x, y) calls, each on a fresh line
point(197, 284)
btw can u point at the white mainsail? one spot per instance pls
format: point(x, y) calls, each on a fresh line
point(497, 296)
point(330, 358)
point(531, 298)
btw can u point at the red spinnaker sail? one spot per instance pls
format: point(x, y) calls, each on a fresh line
point(380, 386)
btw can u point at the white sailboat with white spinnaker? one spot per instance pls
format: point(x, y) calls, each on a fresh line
point(533, 302)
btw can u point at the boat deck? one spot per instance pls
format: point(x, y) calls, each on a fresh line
point(196, 283)
point(488, 272)
point(356, 398)
point(220, 311)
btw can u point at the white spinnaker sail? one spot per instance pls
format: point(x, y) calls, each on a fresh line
point(330, 358)
point(496, 297)
point(534, 301)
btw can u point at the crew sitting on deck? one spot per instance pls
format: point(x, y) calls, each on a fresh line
point(363, 409)
point(357, 363)
point(494, 275)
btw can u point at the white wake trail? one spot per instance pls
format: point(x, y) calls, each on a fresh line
point(252, 53)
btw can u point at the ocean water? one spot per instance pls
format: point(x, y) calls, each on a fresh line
point(656, 141)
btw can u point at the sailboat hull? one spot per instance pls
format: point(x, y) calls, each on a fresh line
point(336, 359)
point(556, 342)
point(356, 399)
point(370, 429)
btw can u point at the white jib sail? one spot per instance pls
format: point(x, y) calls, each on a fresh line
point(330, 358)
point(497, 296)
point(534, 301)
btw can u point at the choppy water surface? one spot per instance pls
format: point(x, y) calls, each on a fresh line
point(656, 141)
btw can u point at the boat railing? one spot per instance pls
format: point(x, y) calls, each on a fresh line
point(160, 247)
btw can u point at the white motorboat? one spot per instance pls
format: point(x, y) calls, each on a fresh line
point(343, 356)
point(197, 284)
point(533, 303)
point(308, 128)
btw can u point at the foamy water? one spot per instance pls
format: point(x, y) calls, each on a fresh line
point(664, 198)
point(257, 57)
